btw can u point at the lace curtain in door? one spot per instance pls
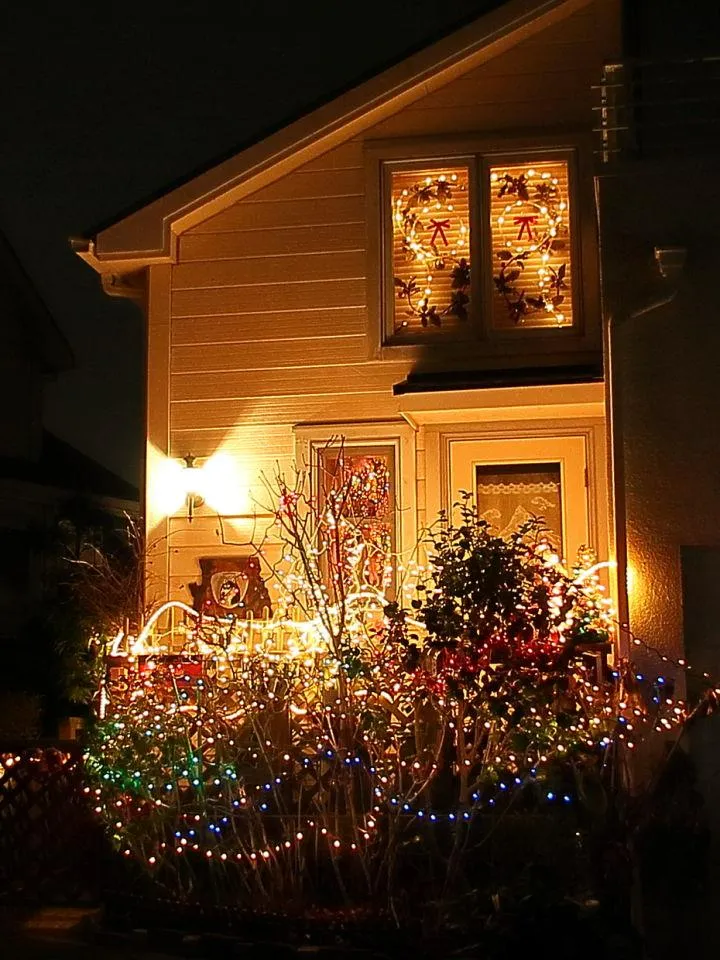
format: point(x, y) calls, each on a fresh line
point(509, 494)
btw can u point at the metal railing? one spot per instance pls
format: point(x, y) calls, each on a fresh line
point(657, 109)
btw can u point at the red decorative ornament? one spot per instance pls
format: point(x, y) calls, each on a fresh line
point(288, 502)
point(440, 226)
point(526, 223)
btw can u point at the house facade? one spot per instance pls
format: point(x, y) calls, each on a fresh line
point(414, 268)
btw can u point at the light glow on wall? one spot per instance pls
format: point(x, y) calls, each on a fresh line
point(221, 482)
point(225, 486)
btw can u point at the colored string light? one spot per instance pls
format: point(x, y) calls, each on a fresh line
point(243, 749)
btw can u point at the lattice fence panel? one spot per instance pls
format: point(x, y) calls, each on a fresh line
point(51, 850)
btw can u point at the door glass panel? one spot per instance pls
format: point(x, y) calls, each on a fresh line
point(509, 494)
point(359, 484)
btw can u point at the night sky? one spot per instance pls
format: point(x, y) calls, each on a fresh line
point(105, 105)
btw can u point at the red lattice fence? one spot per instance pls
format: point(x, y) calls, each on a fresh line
point(51, 849)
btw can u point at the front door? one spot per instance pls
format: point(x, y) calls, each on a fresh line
point(513, 479)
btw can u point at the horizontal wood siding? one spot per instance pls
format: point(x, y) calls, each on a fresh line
point(278, 271)
point(542, 82)
point(309, 240)
point(269, 297)
point(301, 381)
point(328, 408)
point(255, 327)
point(271, 215)
point(269, 314)
point(313, 185)
point(258, 354)
point(269, 442)
point(209, 531)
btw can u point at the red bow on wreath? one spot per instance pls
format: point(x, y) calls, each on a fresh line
point(440, 227)
point(526, 224)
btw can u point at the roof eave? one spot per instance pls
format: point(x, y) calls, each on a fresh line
point(150, 234)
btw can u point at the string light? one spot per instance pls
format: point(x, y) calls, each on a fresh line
point(261, 740)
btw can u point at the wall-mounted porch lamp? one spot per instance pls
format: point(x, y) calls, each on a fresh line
point(192, 477)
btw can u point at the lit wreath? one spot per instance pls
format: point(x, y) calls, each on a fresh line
point(409, 210)
point(536, 207)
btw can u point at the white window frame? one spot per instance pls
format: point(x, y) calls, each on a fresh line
point(539, 342)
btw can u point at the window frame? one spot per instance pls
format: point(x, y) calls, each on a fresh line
point(489, 160)
point(585, 332)
point(568, 451)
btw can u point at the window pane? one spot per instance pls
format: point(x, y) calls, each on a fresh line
point(529, 217)
point(508, 495)
point(358, 484)
point(430, 252)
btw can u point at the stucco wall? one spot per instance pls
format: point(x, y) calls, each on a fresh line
point(666, 378)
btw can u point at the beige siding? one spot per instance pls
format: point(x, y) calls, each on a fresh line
point(276, 271)
point(256, 328)
point(333, 407)
point(327, 209)
point(271, 442)
point(298, 381)
point(542, 82)
point(303, 239)
point(258, 354)
point(269, 297)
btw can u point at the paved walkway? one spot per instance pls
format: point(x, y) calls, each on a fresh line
point(52, 933)
point(31, 948)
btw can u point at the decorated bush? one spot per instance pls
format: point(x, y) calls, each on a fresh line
point(355, 747)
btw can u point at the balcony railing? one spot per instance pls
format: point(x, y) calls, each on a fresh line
point(657, 109)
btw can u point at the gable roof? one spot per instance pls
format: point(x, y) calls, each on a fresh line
point(64, 467)
point(149, 235)
point(21, 304)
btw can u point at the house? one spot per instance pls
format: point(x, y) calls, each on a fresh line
point(415, 267)
point(41, 476)
point(53, 499)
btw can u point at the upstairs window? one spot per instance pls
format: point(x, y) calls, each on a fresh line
point(430, 247)
point(530, 241)
point(479, 247)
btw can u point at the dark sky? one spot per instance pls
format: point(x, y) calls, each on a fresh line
point(102, 105)
point(105, 104)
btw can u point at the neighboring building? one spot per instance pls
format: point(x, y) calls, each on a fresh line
point(658, 206)
point(289, 300)
point(42, 479)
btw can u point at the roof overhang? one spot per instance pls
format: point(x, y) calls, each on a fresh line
point(512, 403)
point(150, 234)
